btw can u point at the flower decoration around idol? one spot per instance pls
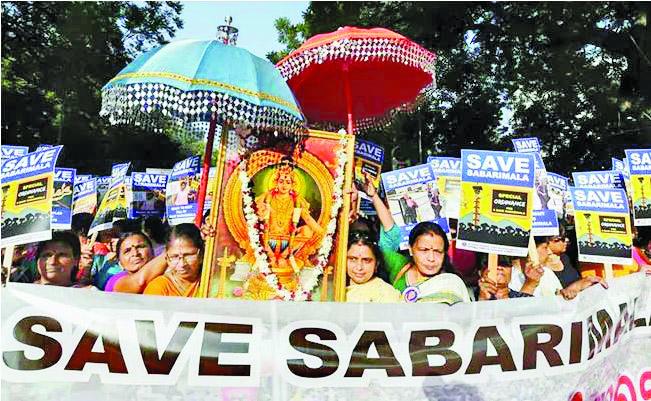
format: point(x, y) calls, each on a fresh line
point(256, 233)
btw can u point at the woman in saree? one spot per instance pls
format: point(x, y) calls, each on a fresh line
point(427, 275)
point(184, 256)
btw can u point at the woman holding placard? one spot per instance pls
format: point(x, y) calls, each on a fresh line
point(428, 274)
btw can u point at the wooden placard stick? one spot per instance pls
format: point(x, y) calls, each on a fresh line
point(7, 262)
point(492, 267)
point(93, 239)
point(608, 271)
point(533, 252)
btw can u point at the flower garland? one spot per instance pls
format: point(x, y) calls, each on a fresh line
point(302, 292)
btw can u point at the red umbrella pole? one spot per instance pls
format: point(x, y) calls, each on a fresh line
point(349, 100)
point(206, 170)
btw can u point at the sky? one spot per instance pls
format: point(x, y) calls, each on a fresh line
point(254, 19)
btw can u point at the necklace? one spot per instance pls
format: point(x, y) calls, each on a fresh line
point(281, 215)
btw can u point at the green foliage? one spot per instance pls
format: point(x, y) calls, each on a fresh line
point(56, 56)
point(575, 74)
point(288, 34)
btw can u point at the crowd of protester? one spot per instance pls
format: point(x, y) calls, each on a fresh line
point(134, 256)
point(147, 256)
point(435, 270)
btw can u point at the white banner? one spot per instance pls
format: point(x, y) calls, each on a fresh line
point(69, 344)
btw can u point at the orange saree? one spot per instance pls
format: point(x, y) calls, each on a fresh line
point(166, 286)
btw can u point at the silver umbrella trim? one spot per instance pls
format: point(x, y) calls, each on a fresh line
point(148, 104)
point(401, 51)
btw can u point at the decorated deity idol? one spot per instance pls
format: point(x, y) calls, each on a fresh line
point(288, 223)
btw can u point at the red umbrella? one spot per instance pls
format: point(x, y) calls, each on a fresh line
point(358, 77)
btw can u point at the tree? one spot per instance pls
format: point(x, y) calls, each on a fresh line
point(576, 75)
point(288, 34)
point(56, 56)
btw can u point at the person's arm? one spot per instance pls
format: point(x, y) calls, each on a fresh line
point(572, 290)
point(390, 240)
point(136, 283)
point(383, 212)
point(532, 273)
point(86, 264)
point(487, 288)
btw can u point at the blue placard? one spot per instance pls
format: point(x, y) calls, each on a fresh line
point(408, 192)
point(181, 202)
point(85, 187)
point(502, 168)
point(64, 181)
point(31, 164)
point(369, 150)
point(558, 181)
point(526, 145)
point(11, 151)
point(598, 179)
point(189, 166)
point(545, 209)
point(86, 193)
point(404, 177)
point(619, 165)
point(445, 166)
point(79, 178)
point(103, 184)
point(558, 190)
point(120, 170)
point(639, 161)
point(148, 194)
point(43, 146)
point(599, 200)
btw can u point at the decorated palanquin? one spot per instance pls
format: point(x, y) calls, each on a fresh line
point(278, 221)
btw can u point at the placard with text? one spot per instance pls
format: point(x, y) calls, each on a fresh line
point(64, 181)
point(182, 190)
point(603, 225)
point(496, 202)
point(84, 196)
point(639, 165)
point(148, 193)
point(368, 158)
point(545, 220)
point(409, 194)
point(113, 207)
point(448, 179)
point(27, 189)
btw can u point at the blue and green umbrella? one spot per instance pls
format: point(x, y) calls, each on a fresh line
point(195, 81)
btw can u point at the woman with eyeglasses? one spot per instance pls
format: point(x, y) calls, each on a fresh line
point(184, 256)
point(364, 257)
point(566, 272)
point(426, 276)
